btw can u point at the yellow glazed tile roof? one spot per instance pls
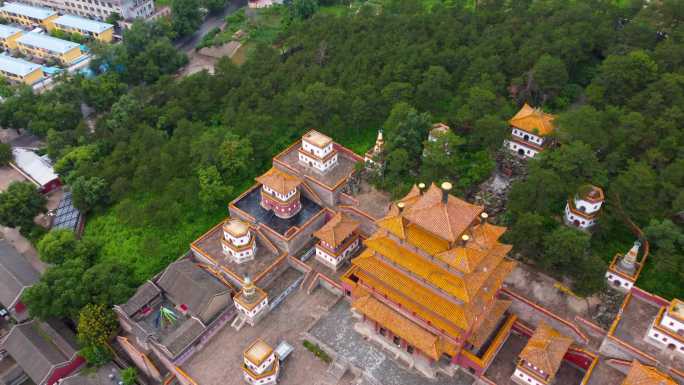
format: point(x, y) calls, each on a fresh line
point(424, 240)
point(393, 224)
point(279, 181)
point(437, 276)
point(465, 259)
point(337, 229)
point(413, 334)
point(401, 289)
point(546, 348)
point(533, 120)
point(447, 221)
point(640, 374)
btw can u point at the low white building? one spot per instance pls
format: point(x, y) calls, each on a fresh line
point(251, 302)
point(667, 330)
point(584, 209)
point(36, 168)
point(238, 242)
point(261, 365)
point(318, 152)
point(530, 131)
point(624, 270)
point(338, 240)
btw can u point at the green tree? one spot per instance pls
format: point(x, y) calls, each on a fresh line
point(129, 376)
point(57, 246)
point(88, 192)
point(637, 186)
point(186, 16)
point(622, 76)
point(19, 204)
point(301, 9)
point(113, 18)
point(213, 192)
point(550, 76)
point(527, 234)
point(667, 242)
point(97, 325)
point(5, 154)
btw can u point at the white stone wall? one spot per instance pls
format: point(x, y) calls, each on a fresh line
point(521, 377)
point(255, 310)
point(528, 152)
point(317, 164)
point(320, 152)
point(272, 379)
point(279, 195)
point(326, 257)
point(583, 223)
point(624, 284)
point(586, 206)
point(264, 365)
point(674, 325)
point(666, 341)
point(526, 136)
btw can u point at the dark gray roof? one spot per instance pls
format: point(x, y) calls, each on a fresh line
point(38, 348)
point(182, 336)
point(16, 274)
point(145, 293)
point(67, 216)
point(186, 283)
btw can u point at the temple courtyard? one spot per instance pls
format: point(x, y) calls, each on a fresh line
point(220, 361)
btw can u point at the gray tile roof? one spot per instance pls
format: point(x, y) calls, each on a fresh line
point(16, 274)
point(183, 336)
point(186, 283)
point(38, 348)
point(145, 293)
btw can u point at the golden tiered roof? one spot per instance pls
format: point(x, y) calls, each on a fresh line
point(279, 181)
point(533, 120)
point(445, 280)
point(546, 349)
point(640, 374)
point(337, 229)
point(445, 220)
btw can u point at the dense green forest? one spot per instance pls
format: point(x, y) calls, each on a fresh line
point(161, 158)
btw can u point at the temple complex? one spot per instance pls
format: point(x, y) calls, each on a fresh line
point(261, 365)
point(584, 209)
point(530, 130)
point(429, 280)
point(338, 239)
point(667, 330)
point(542, 356)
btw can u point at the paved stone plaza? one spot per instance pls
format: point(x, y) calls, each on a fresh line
point(336, 330)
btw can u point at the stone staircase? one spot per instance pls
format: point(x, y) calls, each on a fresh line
point(238, 322)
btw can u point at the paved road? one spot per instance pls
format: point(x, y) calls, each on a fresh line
point(188, 43)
